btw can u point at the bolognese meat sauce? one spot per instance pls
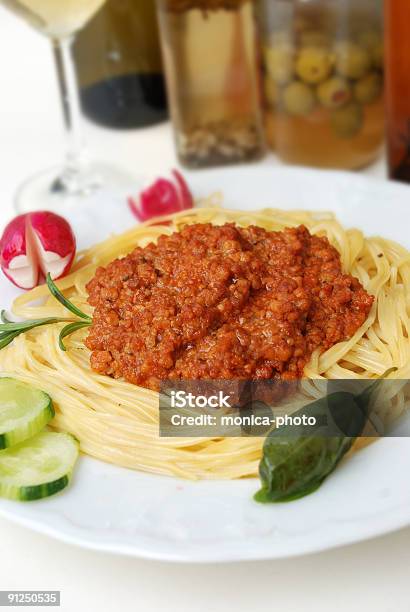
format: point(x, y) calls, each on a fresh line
point(222, 302)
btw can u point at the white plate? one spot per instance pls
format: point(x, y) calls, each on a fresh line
point(117, 510)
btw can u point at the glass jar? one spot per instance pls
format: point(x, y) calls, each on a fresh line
point(212, 70)
point(323, 80)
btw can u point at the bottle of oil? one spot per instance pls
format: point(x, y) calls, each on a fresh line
point(119, 66)
point(397, 37)
point(211, 61)
point(323, 80)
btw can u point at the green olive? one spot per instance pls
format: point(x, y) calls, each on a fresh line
point(352, 61)
point(279, 63)
point(334, 93)
point(347, 121)
point(298, 98)
point(314, 65)
point(369, 88)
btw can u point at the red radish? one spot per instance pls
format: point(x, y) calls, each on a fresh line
point(164, 196)
point(35, 244)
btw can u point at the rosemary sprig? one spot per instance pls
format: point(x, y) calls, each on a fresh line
point(55, 292)
point(11, 329)
point(3, 317)
point(11, 326)
point(70, 329)
point(5, 339)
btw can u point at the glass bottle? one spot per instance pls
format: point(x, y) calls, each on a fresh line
point(323, 80)
point(397, 37)
point(211, 63)
point(119, 66)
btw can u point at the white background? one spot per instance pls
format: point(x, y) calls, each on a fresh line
point(368, 576)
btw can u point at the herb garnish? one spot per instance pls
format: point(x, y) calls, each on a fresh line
point(296, 460)
point(10, 330)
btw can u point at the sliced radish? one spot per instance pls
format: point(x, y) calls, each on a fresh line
point(187, 201)
point(163, 196)
point(17, 256)
point(35, 244)
point(54, 243)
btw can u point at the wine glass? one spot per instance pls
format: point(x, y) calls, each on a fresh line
point(77, 179)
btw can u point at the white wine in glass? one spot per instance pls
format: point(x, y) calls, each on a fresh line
point(76, 179)
point(55, 18)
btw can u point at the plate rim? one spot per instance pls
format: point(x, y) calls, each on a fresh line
point(163, 551)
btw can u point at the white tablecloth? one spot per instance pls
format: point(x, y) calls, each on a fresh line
point(368, 576)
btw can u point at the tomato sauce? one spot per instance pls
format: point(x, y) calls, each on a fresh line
point(222, 302)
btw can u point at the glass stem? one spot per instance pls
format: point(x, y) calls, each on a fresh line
point(68, 85)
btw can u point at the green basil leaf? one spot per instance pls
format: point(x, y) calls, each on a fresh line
point(297, 459)
point(294, 467)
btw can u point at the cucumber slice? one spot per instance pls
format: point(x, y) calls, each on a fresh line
point(24, 411)
point(39, 467)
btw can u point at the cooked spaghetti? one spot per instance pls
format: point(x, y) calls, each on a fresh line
point(118, 422)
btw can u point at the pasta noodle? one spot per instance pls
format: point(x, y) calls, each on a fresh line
point(117, 422)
